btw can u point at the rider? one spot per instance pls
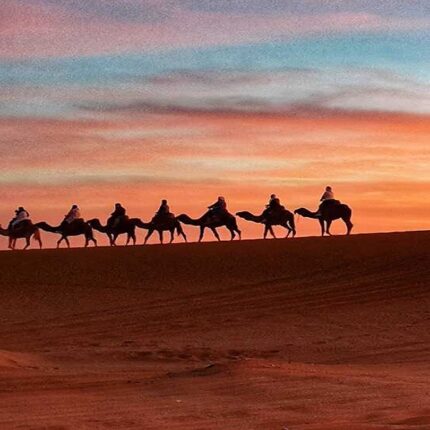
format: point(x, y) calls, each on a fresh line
point(272, 207)
point(163, 210)
point(73, 214)
point(327, 199)
point(117, 215)
point(20, 215)
point(272, 198)
point(218, 208)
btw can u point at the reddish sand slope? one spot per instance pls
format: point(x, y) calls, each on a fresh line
point(304, 334)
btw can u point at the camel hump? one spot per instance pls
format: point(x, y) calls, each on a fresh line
point(22, 225)
point(78, 221)
point(163, 218)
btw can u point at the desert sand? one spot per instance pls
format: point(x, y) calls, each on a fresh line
point(303, 334)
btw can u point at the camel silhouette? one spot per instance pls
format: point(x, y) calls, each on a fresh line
point(205, 221)
point(25, 230)
point(125, 226)
point(161, 224)
point(282, 217)
point(75, 228)
point(328, 215)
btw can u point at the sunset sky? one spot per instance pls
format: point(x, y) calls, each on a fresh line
point(138, 100)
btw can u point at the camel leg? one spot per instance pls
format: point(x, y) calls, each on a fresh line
point(328, 227)
point(293, 231)
point(233, 234)
point(322, 226)
point(349, 225)
point(59, 241)
point(292, 226)
point(266, 230)
point(67, 242)
point(149, 234)
point(171, 235)
point(272, 233)
point(288, 230)
point(114, 238)
point(215, 233)
point(94, 240)
point(39, 241)
point(27, 243)
point(239, 233)
point(184, 236)
point(133, 237)
point(12, 243)
point(202, 231)
point(160, 235)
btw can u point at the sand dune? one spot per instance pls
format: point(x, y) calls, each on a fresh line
point(310, 334)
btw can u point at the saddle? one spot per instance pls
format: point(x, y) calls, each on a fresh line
point(19, 226)
point(327, 204)
point(218, 216)
point(75, 222)
point(275, 213)
point(161, 218)
point(331, 202)
point(117, 221)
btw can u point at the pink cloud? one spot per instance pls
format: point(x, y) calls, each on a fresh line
point(42, 31)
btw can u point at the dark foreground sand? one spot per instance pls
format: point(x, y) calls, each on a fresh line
point(311, 333)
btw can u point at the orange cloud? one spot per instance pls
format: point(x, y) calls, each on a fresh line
point(376, 163)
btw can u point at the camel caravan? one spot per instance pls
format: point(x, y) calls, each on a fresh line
point(217, 215)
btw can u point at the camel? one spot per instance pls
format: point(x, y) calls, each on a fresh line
point(169, 223)
point(75, 228)
point(205, 221)
point(126, 225)
point(329, 214)
point(283, 218)
point(25, 230)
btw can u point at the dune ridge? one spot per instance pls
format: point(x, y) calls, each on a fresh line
point(310, 334)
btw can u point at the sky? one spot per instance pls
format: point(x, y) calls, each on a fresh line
point(137, 100)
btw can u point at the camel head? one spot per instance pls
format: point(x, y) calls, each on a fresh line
point(300, 211)
point(245, 215)
point(183, 217)
point(306, 213)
